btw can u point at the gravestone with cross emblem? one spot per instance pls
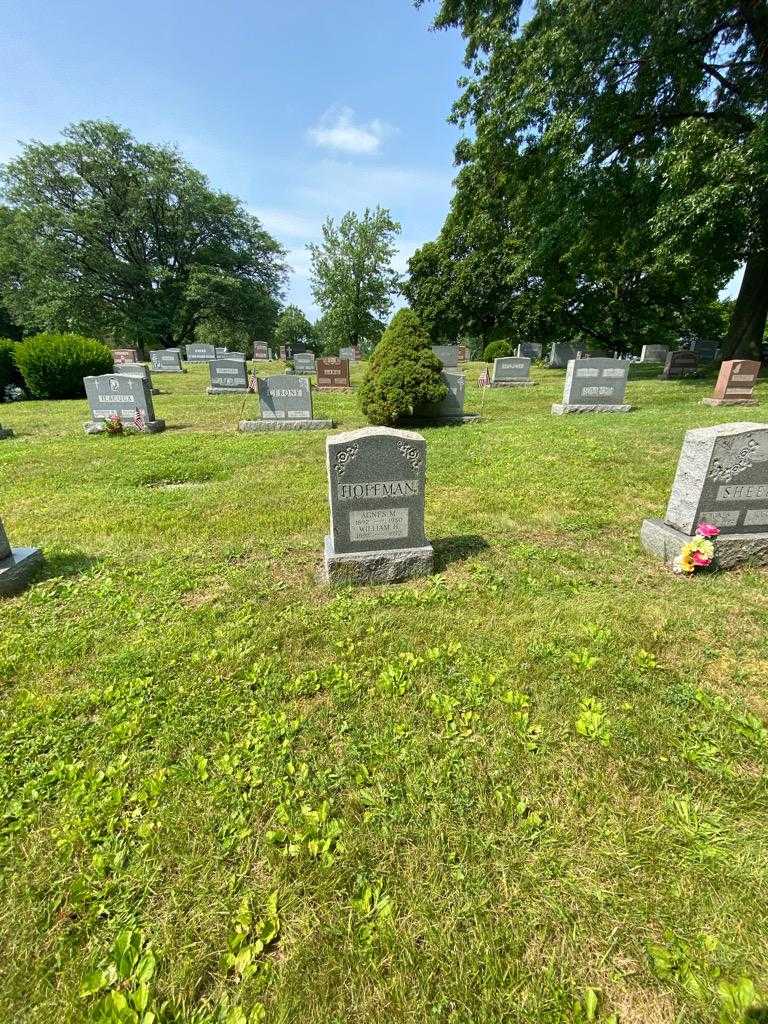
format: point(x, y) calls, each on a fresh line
point(117, 395)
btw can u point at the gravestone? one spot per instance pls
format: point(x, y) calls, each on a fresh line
point(529, 350)
point(653, 353)
point(376, 479)
point(350, 352)
point(722, 479)
point(136, 370)
point(220, 350)
point(680, 364)
point(707, 351)
point(285, 352)
point(228, 376)
point(16, 565)
point(117, 394)
point(126, 355)
point(285, 403)
point(165, 360)
point(332, 373)
point(464, 353)
point(512, 372)
point(5, 432)
point(304, 362)
point(448, 355)
point(451, 409)
point(261, 351)
point(735, 383)
point(594, 385)
point(560, 355)
point(236, 355)
point(197, 353)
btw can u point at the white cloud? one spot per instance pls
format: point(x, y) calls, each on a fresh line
point(337, 186)
point(337, 129)
point(287, 224)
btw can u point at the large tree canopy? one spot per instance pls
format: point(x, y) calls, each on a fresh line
point(293, 326)
point(114, 237)
point(352, 277)
point(617, 174)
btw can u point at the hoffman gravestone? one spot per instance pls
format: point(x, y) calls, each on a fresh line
point(200, 353)
point(285, 402)
point(594, 385)
point(560, 355)
point(448, 355)
point(332, 374)
point(653, 353)
point(722, 479)
point(735, 383)
point(117, 394)
point(512, 372)
point(680, 364)
point(376, 480)
point(228, 376)
point(303, 362)
point(166, 361)
point(16, 565)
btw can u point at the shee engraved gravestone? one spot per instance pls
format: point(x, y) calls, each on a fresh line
point(735, 383)
point(560, 355)
point(122, 396)
point(448, 355)
point(680, 364)
point(197, 353)
point(228, 376)
point(529, 350)
point(165, 360)
point(722, 479)
point(376, 479)
point(332, 373)
point(512, 372)
point(303, 362)
point(594, 385)
point(16, 565)
point(653, 353)
point(285, 403)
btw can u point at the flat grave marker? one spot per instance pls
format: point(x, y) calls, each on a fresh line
point(735, 383)
point(512, 372)
point(376, 482)
point(285, 403)
point(594, 385)
point(16, 565)
point(332, 374)
point(123, 396)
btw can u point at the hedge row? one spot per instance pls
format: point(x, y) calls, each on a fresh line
point(52, 365)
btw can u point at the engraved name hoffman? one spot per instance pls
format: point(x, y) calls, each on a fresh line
point(378, 489)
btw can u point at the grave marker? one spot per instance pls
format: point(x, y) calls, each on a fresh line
point(350, 352)
point(512, 372)
point(735, 383)
point(680, 364)
point(451, 409)
point(136, 370)
point(16, 565)
point(332, 373)
point(653, 353)
point(376, 481)
point(126, 355)
point(261, 351)
point(594, 385)
point(114, 394)
point(200, 353)
point(165, 360)
point(707, 351)
point(228, 376)
point(220, 350)
point(304, 362)
point(285, 403)
point(448, 355)
point(464, 353)
point(722, 479)
point(560, 355)
point(529, 350)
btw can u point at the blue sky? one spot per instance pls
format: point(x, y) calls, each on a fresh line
point(302, 108)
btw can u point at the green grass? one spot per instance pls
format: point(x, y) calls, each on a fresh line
point(529, 789)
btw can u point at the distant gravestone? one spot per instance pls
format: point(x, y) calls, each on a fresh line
point(707, 351)
point(511, 372)
point(236, 355)
point(126, 355)
point(285, 402)
point(16, 565)
point(220, 350)
point(228, 376)
point(200, 353)
point(5, 433)
point(653, 353)
point(448, 355)
point(722, 479)
point(376, 479)
point(128, 398)
point(594, 385)
point(464, 353)
point(304, 362)
point(736, 383)
point(350, 352)
point(261, 351)
point(332, 373)
point(136, 370)
point(285, 352)
point(165, 360)
point(451, 409)
point(529, 350)
point(680, 364)
point(560, 355)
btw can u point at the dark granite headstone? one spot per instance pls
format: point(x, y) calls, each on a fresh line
point(166, 361)
point(285, 403)
point(681, 363)
point(530, 350)
point(511, 371)
point(653, 353)
point(5, 432)
point(123, 396)
point(706, 350)
point(197, 353)
point(16, 565)
point(304, 362)
point(228, 376)
point(560, 355)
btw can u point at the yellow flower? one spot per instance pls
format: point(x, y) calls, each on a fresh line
point(706, 547)
point(686, 558)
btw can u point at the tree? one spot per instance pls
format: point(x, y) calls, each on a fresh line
point(293, 326)
point(352, 275)
point(124, 239)
point(623, 146)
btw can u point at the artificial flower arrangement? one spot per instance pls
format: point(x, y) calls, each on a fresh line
point(699, 552)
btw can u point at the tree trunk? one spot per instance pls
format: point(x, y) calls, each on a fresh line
point(747, 328)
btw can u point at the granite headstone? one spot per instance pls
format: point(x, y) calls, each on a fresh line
point(285, 403)
point(448, 355)
point(529, 350)
point(126, 355)
point(707, 351)
point(681, 363)
point(512, 371)
point(228, 376)
point(332, 373)
point(198, 353)
point(594, 385)
point(120, 395)
point(304, 362)
point(5, 432)
point(560, 355)
point(653, 353)
point(165, 360)
point(261, 351)
point(736, 383)
point(16, 565)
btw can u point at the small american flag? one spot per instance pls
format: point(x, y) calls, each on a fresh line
point(138, 420)
point(484, 380)
point(253, 382)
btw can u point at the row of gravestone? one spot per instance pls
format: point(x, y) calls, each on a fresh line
point(376, 493)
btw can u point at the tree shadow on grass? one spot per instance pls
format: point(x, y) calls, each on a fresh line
point(457, 549)
point(65, 566)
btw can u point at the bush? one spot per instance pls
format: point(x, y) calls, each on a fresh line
point(9, 372)
point(496, 350)
point(404, 376)
point(53, 365)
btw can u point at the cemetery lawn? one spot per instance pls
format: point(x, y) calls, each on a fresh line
point(533, 788)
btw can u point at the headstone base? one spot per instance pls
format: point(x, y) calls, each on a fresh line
point(731, 550)
point(514, 383)
point(227, 391)
point(15, 571)
point(561, 409)
point(729, 401)
point(371, 568)
point(5, 432)
point(253, 426)
point(150, 427)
